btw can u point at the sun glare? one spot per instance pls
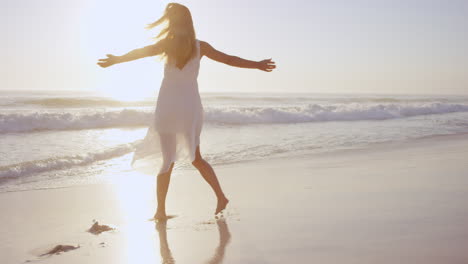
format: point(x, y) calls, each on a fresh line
point(122, 30)
point(125, 95)
point(133, 192)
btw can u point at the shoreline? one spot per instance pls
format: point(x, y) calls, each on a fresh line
point(389, 204)
point(370, 148)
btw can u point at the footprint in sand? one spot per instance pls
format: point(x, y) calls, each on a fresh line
point(57, 250)
point(97, 229)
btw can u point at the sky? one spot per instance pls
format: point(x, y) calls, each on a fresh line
point(328, 46)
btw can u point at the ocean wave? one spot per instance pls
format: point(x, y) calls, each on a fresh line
point(319, 98)
point(57, 163)
point(85, 102)
point(324, 113)
point(228, 115)
point(10, 123)
point(88, 101)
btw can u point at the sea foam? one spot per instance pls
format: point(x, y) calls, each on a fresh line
point(27, 122)
point(63, 162)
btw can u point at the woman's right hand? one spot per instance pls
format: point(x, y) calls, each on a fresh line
point(109, 61)
point(266, 65)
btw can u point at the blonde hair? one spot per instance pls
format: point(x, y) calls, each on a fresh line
point(178, 34)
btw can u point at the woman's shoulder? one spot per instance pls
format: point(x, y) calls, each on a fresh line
point(204, 46)
point(201, 42)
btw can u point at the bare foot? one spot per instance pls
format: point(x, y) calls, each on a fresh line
point(222, 203)
point(160, 216)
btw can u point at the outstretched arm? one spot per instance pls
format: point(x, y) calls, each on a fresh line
point(207, 50)
point(151, 50)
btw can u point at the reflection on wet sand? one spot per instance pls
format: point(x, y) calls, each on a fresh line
point(218, 256)
point(164, 250)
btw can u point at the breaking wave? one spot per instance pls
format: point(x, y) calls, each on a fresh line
point(56, 163)
point(17, 122)
point(324, 113)
point(85, 102)
point(27, 122)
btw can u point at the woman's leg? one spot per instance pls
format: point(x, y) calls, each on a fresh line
point(164, 176)
point(161, 191)
point(209, 175)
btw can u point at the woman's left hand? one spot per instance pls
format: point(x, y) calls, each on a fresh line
point(266, 65)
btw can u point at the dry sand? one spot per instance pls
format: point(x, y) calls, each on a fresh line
point(392, 203)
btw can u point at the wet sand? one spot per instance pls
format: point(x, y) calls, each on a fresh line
point(393, 203)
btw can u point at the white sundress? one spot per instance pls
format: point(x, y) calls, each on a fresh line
point(174, 133)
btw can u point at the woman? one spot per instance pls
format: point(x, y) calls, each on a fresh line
point(179, 113)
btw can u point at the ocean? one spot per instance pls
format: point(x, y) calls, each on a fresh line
point(57, 139)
